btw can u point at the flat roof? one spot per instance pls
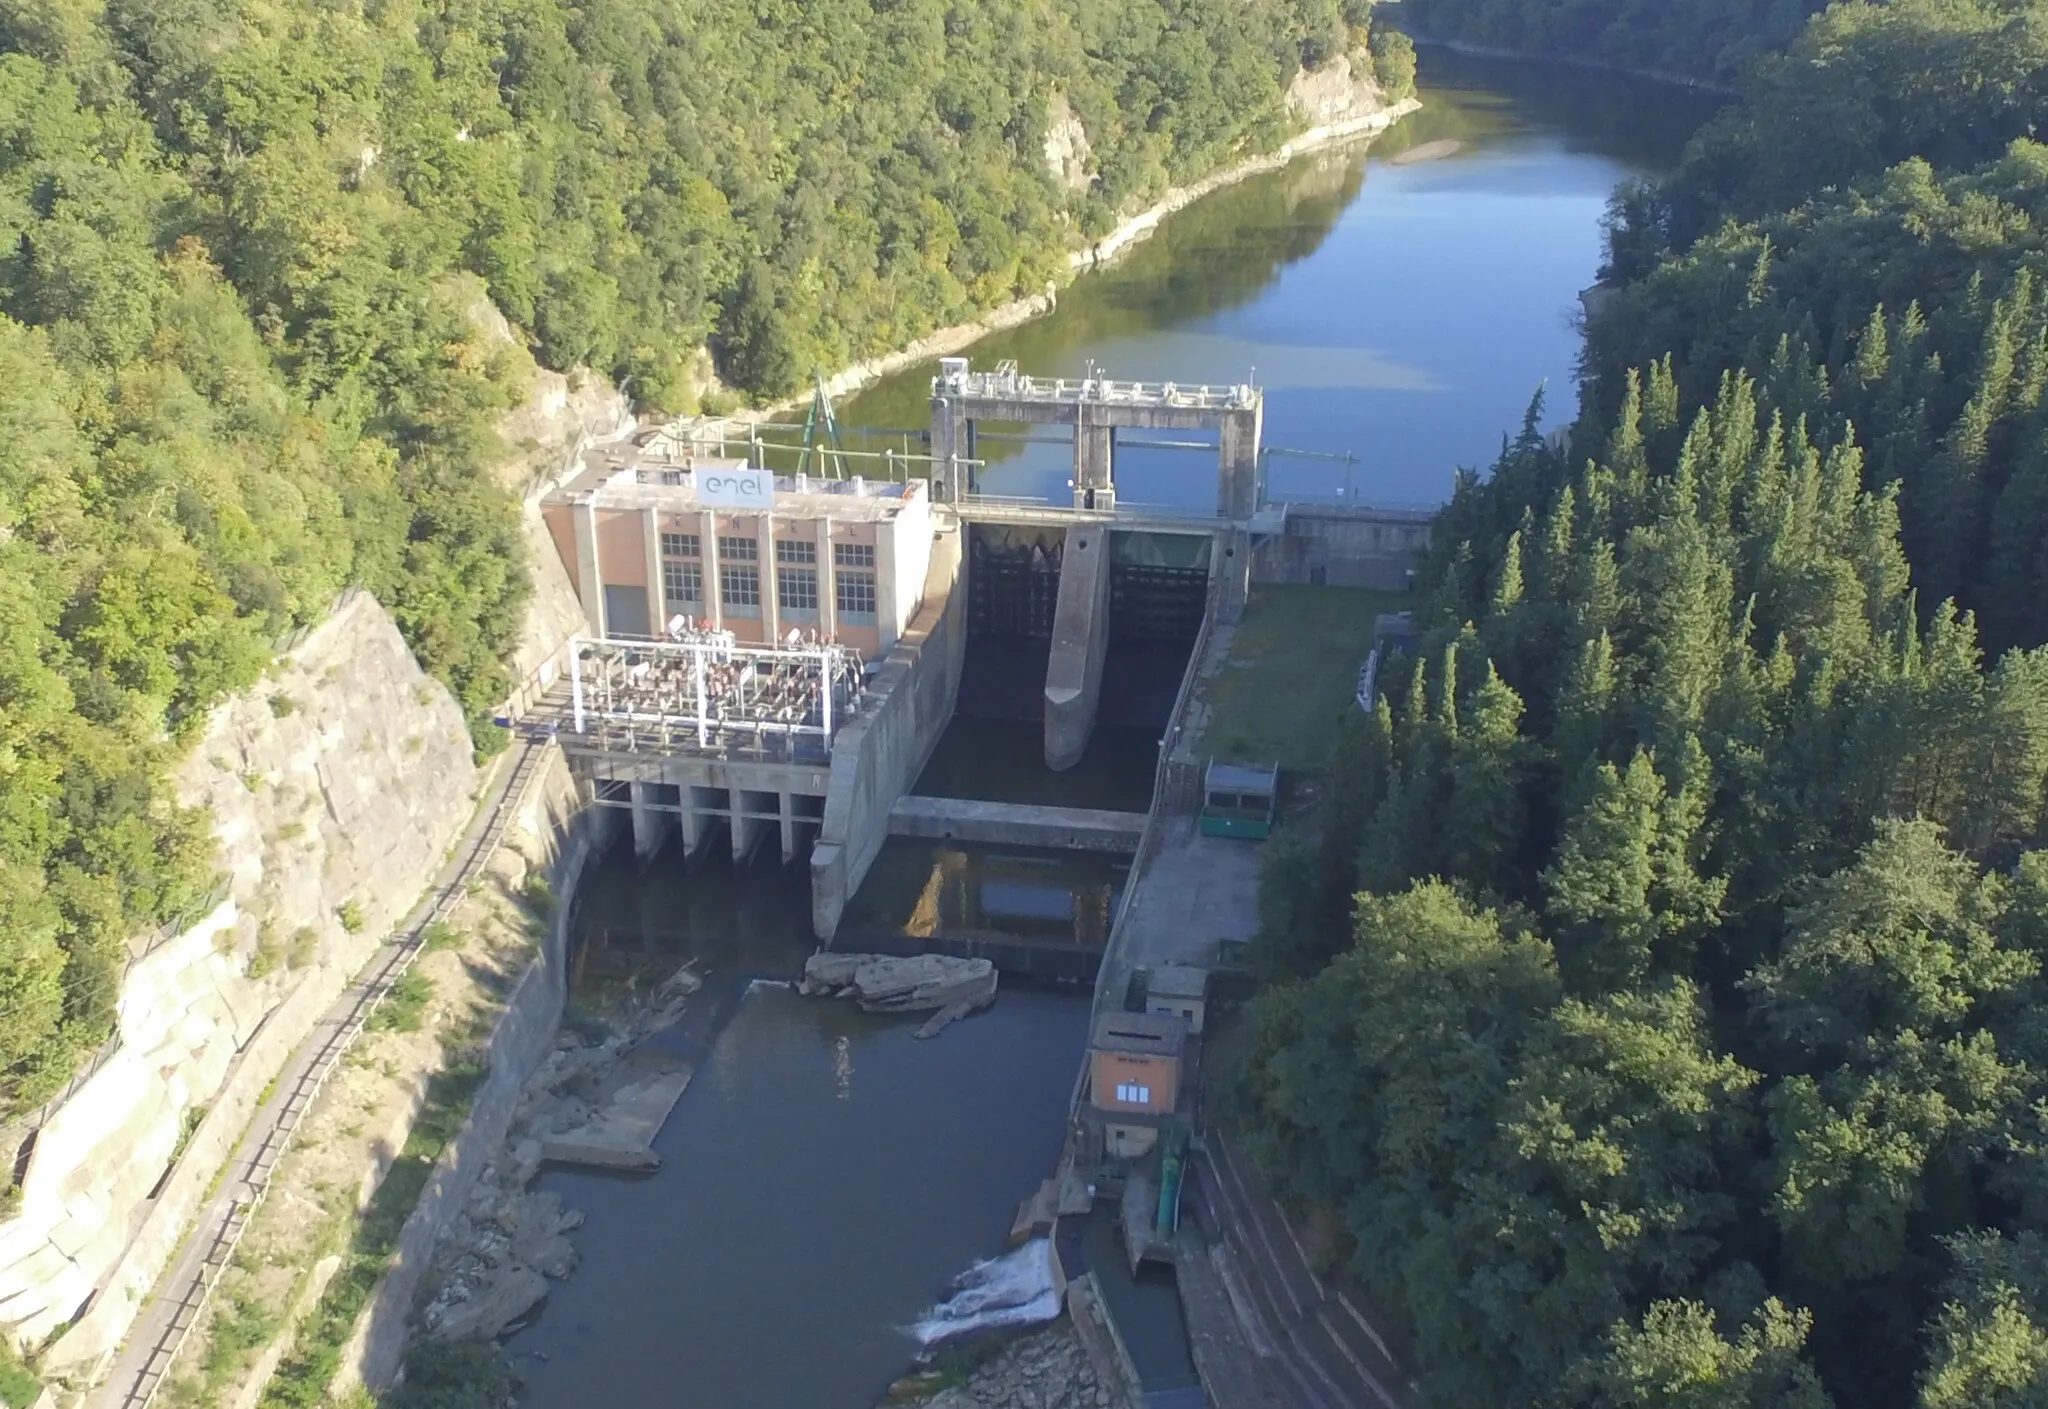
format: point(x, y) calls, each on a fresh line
point(1243, 778)
point(621, 477)
point(1177, 981)
point(1144, 1034)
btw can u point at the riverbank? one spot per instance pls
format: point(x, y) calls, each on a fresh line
point(1577, 61)
point(1132, 231)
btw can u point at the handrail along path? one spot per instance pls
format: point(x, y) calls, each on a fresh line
point(142, 1368)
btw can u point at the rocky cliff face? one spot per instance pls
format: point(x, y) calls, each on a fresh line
point(336, 786)
point(1340, 91)
point(1067, 152)
point(560, 412)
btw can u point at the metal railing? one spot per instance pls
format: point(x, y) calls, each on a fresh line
point(363, 997)
point(1103, 390)
point(1166, 791)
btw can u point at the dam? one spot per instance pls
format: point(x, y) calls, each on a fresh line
point(771, 659)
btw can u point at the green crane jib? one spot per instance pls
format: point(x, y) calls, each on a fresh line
point(821, 437)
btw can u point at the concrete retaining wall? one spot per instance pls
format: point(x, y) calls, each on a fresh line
point(880, 754)
point(1335, 546)
point(525, 1034)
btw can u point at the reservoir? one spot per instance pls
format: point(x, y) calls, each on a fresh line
point(826, 1174)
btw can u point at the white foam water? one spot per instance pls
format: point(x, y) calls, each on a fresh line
point(1016, 1289)
point(762, 985)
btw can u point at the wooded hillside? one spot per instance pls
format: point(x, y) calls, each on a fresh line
point(1659, 1000)
point(1711, 40)
point(242, 244)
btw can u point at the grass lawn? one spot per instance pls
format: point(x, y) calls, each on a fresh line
point(1292, 672)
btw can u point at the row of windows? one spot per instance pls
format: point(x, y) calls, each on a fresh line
point(796, 589)
point(1133, 1094)
point(739, 589)
point(682, 582)
point(855, 598)
point(797, 552)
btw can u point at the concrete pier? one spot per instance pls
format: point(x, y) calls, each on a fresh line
point(1096, 407)
point(1012, 824)
point(1080, 642)
point(649, 821)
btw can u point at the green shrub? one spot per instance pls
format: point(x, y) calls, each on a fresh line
point(351, 916)
point(538, 895)
point(440, 935)
point(18, 1384)
point(443, 1374)
point(269, 951)
point(404, 1007)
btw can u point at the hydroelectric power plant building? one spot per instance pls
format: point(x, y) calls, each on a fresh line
point(770, 659)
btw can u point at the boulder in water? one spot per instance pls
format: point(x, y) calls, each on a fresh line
point(881, 983)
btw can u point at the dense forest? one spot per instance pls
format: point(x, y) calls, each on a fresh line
point(243, 245)
point(1657, 1002)
point(1712, 41)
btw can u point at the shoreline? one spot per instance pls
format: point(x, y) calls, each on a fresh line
point(944, 342)
point(1578, 61)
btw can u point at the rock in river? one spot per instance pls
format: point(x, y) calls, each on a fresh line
point(881, 983)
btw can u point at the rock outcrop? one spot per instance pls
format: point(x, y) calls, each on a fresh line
point(516, 1244)
point(1067, 151)
point(1049, 1370)
point(336, 785)
point(621, 1135)
point(1340, 91)
point(882, 983)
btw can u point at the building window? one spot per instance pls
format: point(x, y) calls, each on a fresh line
point(799, 552)
point(683, 583)
point(739, 550)
point(1132, 1094)
point(739, 586)
point(854, 555)
point(796, 592)
point(855, 596)
point(679, 545)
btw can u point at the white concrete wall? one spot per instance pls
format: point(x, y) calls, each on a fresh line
point(879, 755)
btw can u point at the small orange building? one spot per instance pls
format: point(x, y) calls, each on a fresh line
point(1135, 1061)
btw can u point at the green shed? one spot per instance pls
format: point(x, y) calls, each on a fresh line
point(1240, 800)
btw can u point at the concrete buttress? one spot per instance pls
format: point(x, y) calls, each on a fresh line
point(1080, 641)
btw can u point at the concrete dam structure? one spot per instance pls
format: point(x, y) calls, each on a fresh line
point(770, 660)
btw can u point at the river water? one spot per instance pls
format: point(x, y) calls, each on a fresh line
point(826, 1175)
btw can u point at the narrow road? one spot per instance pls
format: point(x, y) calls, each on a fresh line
point(1310, 1338)
point(142, 1366)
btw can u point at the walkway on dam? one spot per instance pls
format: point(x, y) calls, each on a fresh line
point(1266, 1331)
point(142, 1367)
point(1013, 824)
